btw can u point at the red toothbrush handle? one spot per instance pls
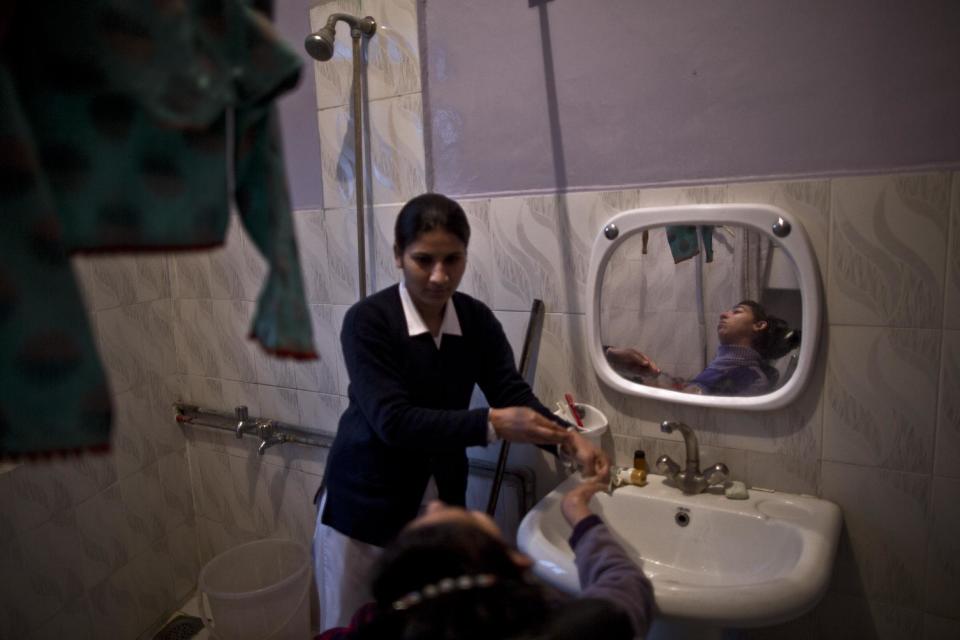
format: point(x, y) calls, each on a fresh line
point(573, 409)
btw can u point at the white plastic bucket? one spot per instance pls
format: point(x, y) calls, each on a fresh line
point(258, 591)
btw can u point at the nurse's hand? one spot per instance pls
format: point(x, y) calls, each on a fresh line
point(592, 461)
point(523, 424)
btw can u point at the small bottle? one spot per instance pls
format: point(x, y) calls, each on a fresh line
point(638, 476)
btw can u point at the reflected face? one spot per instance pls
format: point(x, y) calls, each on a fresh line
point(432, 266)
point(738, 326)
point(438, 512)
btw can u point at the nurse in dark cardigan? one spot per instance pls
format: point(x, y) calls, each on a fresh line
point(414, 352)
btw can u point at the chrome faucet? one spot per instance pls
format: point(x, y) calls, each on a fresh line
point(690, 480)
point(244, 424)
point(269, 435)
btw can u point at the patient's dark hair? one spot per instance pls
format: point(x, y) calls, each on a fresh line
point(512, 607)
point(427, 212)
point(778, 339)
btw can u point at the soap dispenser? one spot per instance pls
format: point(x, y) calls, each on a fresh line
point(638, 476)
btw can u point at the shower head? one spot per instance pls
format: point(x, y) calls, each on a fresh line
point(320, 44)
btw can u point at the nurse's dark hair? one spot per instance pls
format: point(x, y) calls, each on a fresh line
point(778, 339)
point(427, 212)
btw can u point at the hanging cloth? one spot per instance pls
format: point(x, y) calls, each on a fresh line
point(684, 244)
point(113, 138)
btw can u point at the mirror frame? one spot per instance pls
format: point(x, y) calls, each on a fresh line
point(766, 219)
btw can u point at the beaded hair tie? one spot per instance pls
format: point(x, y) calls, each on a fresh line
point(446, 585)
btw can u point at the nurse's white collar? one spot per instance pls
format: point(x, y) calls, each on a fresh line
point(416, 325)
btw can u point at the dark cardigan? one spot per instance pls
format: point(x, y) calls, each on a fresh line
point(408, 417)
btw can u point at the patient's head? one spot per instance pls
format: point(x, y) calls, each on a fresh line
point(748, 325)
point(449, 574)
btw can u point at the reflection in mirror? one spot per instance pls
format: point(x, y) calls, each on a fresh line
point(701, 309)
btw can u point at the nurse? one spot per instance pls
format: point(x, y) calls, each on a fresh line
point(414, 352)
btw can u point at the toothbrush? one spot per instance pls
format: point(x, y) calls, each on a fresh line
point(573, 409)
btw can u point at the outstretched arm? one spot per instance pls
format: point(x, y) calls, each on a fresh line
point(606, 571)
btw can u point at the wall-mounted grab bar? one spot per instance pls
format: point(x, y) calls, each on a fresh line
point(273, 432)
point(269, 431)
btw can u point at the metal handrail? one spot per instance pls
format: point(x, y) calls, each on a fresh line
point(239, 423)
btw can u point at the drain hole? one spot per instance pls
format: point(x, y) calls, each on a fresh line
point(682, 518)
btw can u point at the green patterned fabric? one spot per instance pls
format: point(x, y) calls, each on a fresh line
point(684, 245)
point(113, 135)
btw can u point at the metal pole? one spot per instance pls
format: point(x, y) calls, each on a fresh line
point(356, 34)
point(531, 346)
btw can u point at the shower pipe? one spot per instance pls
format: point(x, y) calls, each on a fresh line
point(320, 47)
point(241, 424)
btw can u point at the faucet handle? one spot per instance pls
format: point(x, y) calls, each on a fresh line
point(716, 474)
point(667, 466)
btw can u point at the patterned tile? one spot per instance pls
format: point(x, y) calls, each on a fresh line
point(952, 304)
point(886, 523)
point(943, 552)
point(337, 160)
point(529, 257)
point(393, 54)
point(888, 250)
point(395, 146)
point(807, 200)
point(382, 270)
point(342, 268)
point(947, 451)
point(880, 404)
point(105, 536)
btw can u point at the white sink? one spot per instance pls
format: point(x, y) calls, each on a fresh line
point(737, 563)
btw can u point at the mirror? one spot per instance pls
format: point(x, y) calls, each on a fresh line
point(711, 305)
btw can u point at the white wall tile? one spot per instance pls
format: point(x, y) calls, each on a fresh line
point(393, 54)
point(104, 534)
point(49, 552)
point(880, 406)
point(382, 270)
point(312, 244)
point(952, 305)
point(184, 559)
point(342, 267)
point(279, 403)
point(943, 552)
point(321, 374)
point(808, 201)
point(72, 621)
point(235, 354)
point(113, 606)
point(888, 250)
point(947, 452)
point(397, 164)
point(886, 523)
point(174, 473)
point(337, 161)
point(153, 586)
point(528, 266)
point(478, 279)
point(319, 411)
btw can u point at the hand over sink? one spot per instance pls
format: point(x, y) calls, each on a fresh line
point(733, 563)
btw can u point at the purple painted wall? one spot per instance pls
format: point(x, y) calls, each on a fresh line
point(298, 111)
point(606, 93)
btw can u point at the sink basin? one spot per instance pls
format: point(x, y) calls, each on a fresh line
point(735, 563)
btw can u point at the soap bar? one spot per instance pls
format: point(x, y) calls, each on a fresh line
point(736, 490)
